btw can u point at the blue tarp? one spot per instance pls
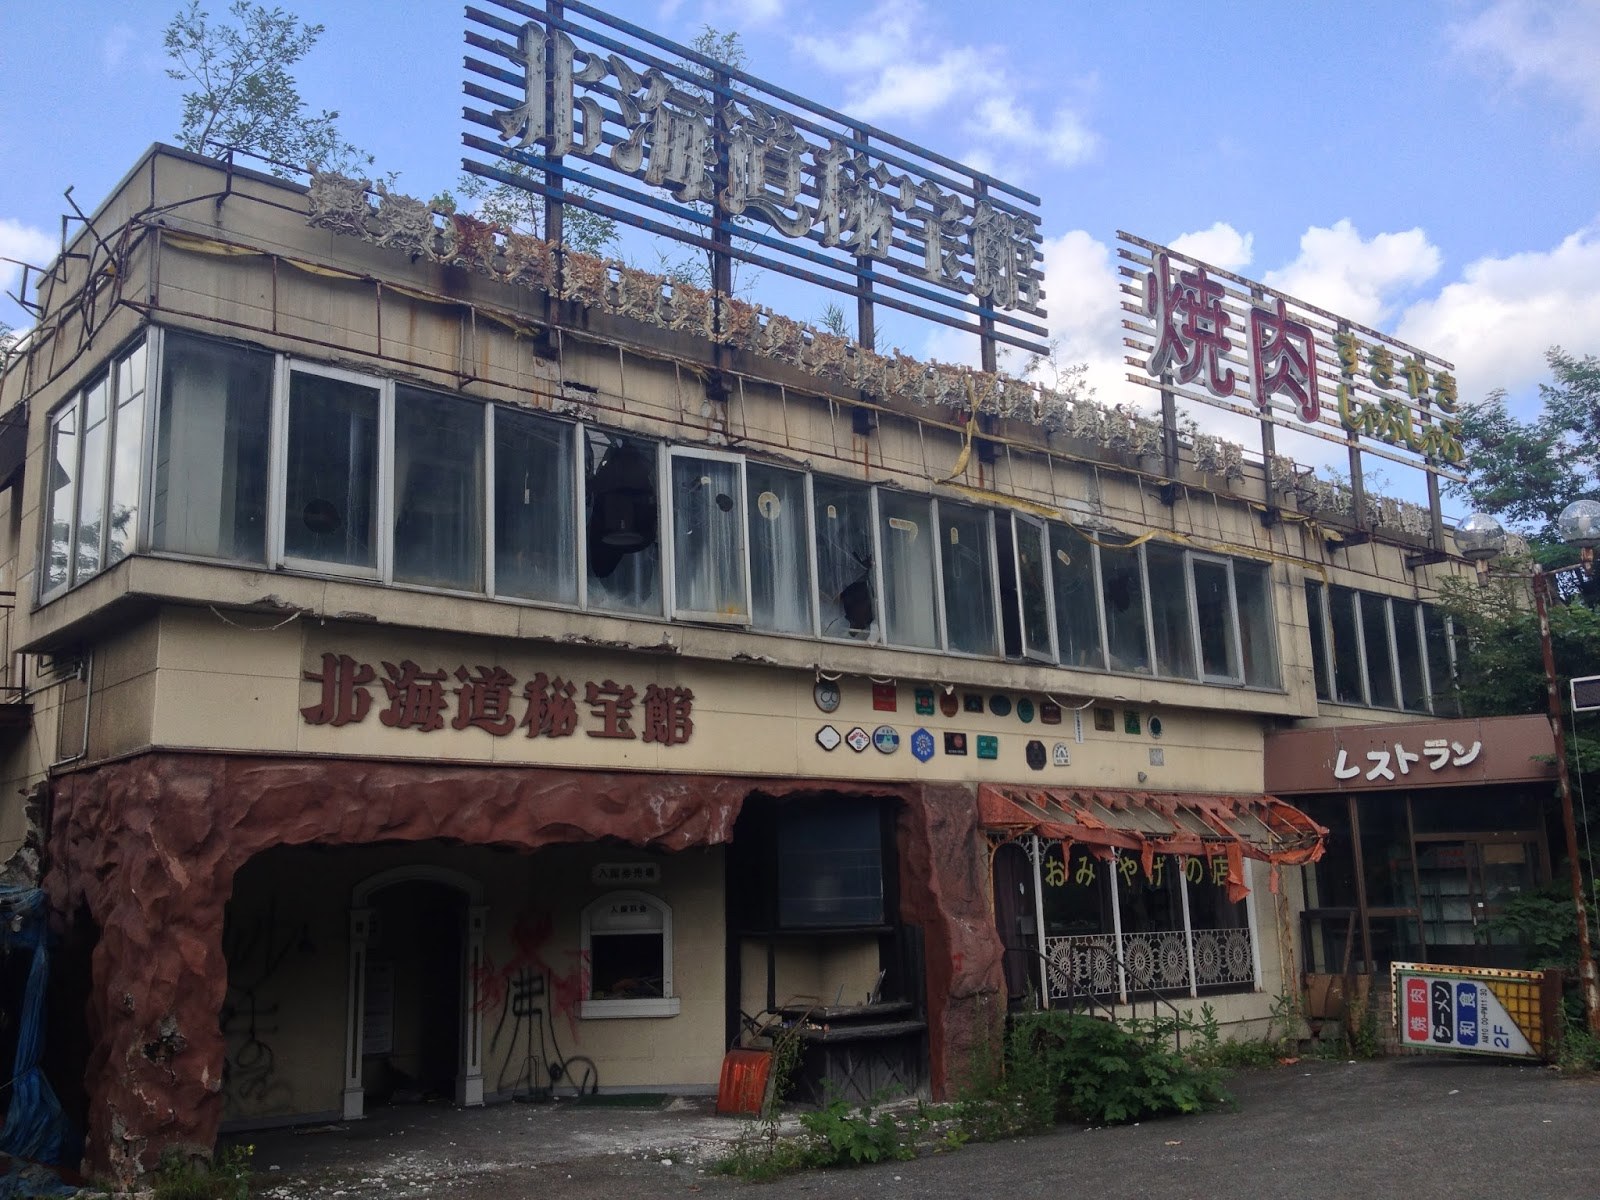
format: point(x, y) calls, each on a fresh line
point(35, 1128)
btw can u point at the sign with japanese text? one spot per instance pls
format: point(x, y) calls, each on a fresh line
point(1409, 755)
point(1480, 1012)
point(670, 128)
point(1213, 337)
point(490, 699)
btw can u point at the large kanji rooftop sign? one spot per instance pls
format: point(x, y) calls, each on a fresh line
point(745, 168)
point(1211, 336)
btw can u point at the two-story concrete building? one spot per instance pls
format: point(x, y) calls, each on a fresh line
point(434, 688)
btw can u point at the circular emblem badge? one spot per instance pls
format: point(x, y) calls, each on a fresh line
point(1034, 752)
point(826, 694)
point(949, 704)
point(886, 738)
point(1025, 710)
point(1000, 705)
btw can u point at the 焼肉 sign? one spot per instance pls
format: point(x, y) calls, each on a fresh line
point(1509, 1013)
point(1216, 338)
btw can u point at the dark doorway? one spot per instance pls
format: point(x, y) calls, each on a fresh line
point(412, 1036)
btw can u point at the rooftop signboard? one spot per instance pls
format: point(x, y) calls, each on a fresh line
point(661, 137)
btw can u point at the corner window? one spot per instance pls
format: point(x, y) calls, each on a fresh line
point(91, 507)
point(438, 490)
point(622, 522)
point(209, 497)
point(709, 564)
point(627, 942)
point(847, 586)
point(535, 508)
point(780, 549)
point(905, 532)
point(330, 506)
point(968, 576)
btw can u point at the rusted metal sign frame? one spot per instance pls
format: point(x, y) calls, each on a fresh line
point(1533, 996)
point(882, 277)
point(1328, 374)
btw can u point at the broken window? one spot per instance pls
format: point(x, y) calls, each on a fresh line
point(1122, 587)
point(965, 546)
point(1077, 599)
point(847, 590)
point(1169, 611)
point(438, 490)
point(622, 508)
point(627, 946)
point(1033, 588)
point(905, 532)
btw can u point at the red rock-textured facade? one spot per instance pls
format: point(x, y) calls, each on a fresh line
point(149, 847)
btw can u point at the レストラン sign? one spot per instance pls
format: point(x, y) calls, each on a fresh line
point(838, 194)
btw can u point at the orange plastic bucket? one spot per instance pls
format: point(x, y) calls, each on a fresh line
point(743, 1086)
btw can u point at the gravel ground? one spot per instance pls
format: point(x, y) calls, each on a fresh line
point(1413, 1127)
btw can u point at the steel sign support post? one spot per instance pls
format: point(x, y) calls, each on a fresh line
point(1587, 979)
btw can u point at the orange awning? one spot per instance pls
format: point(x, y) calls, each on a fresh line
point(1239, 826)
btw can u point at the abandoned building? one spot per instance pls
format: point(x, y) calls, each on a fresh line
point(450, 666)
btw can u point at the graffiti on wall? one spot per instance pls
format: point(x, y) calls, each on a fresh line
point(528, 993)
point(256, 948)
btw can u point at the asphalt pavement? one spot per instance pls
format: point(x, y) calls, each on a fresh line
point(1415, 1127)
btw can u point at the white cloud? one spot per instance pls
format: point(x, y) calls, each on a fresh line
point(1085, 305)
point(23, 242)
point(895, 65)
point(744, 14)
point(1339, 270)
point(1497, 320)
point(1550, 46)
point(1065, 141)
point(1221, 246)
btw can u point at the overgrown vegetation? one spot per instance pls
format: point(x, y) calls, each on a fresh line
point(244, 93)
point(226, 1177)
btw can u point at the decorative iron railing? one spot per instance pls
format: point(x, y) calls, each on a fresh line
point(1089, 964)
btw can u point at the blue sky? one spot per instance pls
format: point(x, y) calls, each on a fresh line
point(1430, 168)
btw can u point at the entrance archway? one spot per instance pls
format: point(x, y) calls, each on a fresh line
point(369, 1021)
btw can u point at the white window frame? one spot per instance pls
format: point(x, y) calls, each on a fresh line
point(667, 538)
point(277, 551)
point(1048, 653)
point(107, 373)
point(1235, 647)
point(668, 1004)
point(940, 644)
point(877, 635)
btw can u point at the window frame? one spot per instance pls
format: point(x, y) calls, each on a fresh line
point(108, 375)
point(1235, 645)
point(1049, 653)
point(987, 516)
point(669, 1003)
point(666, 535)
point(278, 466)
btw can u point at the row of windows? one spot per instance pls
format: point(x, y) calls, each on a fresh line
point(258, 458)
point(1380, 651)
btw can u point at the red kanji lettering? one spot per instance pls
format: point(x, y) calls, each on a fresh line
point(613, 704)
point(667, 718)
point(1191, 327)
point(345, 698)
point(1284, 354)
point(551, 710)
point(485, 700)
point(416, 697)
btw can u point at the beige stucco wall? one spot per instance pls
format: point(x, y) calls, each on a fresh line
point(288, 944)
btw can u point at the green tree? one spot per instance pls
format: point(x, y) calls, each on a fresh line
point(244, 94)
point(1527, 471)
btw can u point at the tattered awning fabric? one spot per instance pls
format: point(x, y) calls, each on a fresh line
point(1109, 820)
